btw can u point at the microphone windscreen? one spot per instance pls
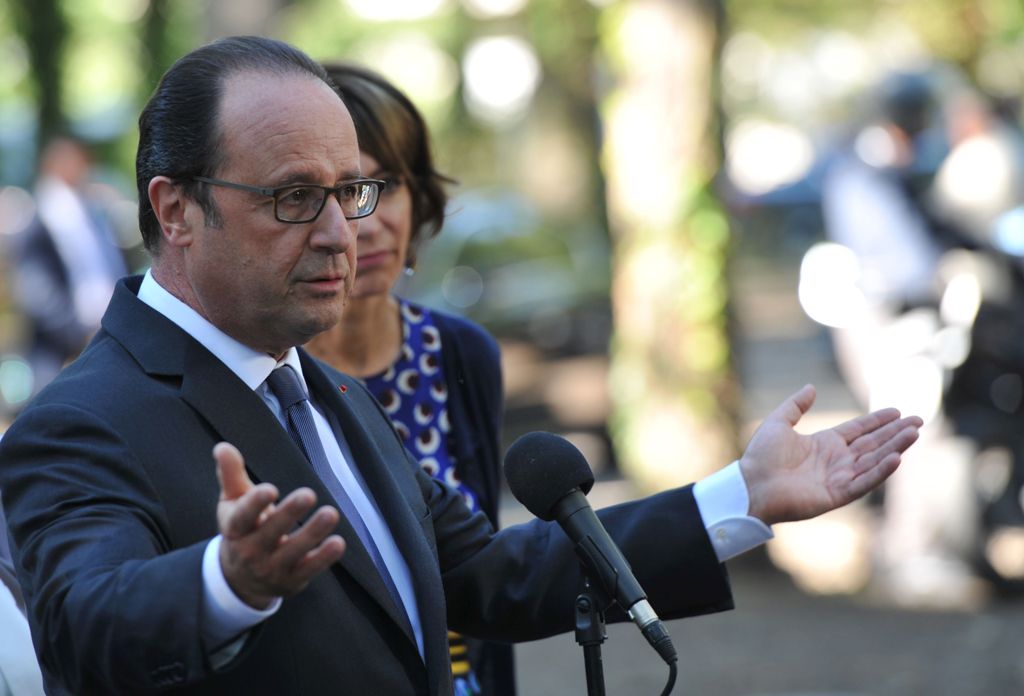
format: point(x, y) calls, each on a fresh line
point(542, 468)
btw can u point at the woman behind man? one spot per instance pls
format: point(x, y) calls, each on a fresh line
point(436, 375)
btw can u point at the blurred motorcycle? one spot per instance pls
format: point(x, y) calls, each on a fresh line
point(957, 360)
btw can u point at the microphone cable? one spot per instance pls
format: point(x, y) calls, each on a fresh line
point(672, 671)
point(658, 636)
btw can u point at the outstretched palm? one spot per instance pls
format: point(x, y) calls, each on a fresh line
point(791, 476)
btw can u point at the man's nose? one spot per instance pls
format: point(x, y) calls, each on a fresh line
point(333, 231)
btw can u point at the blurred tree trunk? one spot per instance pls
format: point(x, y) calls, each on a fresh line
point(45, 30)
point(253, 17)
point(170, 29)
point(156, 53)
point(673, 389)
point(565, 35)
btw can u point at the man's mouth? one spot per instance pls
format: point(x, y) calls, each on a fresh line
point(330, 282)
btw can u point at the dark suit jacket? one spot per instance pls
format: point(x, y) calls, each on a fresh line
point(110, 492)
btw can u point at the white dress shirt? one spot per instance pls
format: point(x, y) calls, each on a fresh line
point(723, 502)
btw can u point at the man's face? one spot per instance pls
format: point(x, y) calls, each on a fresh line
point(269, 284)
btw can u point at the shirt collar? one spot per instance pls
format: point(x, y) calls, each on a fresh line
point(251, 366)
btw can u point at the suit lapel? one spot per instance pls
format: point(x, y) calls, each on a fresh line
point(362, 425)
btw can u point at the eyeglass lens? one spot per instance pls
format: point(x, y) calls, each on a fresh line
point(304, 203)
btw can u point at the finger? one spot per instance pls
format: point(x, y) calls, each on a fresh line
point(234, 481)
point(283, 519)
point(870, 422)
point(901, 441)
point(894, 447)
point(308, 537)
point(792, 409)
point(895, 435)
point(321, 558)
point(248, 513)
point(873, 477)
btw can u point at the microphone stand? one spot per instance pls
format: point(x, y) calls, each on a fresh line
point(590, 633)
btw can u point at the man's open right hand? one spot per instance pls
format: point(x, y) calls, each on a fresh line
point(264, 553)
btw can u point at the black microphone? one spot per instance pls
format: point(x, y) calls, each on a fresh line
point(550, 477)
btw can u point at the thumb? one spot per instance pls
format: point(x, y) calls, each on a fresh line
point(792, 409)
point(234, 482)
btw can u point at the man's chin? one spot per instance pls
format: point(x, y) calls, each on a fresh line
point(317, 322)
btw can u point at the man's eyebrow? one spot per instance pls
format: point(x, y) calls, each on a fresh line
point(307, 177)
point(292, 178)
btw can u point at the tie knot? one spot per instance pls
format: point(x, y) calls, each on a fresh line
point(286, 386)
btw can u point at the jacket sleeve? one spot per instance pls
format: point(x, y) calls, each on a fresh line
point(109, 602)
point(519, 584)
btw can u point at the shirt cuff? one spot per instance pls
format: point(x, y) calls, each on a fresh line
point(723, 502)
point(224, 615)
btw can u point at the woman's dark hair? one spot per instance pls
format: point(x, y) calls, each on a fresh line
point(178, 135)
point(392, 131)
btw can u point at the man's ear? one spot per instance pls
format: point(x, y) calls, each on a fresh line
point(170, 207)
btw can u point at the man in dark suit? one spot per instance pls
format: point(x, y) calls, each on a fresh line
point(146, 567)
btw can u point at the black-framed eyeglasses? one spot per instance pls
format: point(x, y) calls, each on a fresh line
point(298, 203)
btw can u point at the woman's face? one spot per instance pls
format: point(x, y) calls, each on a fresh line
point(383, 242)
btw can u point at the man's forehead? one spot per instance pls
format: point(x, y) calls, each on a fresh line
point(259, 95)
point(269, 114)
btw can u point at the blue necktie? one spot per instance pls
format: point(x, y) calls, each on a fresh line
point(299, 416)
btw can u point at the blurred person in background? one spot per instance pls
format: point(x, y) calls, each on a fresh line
point(878, 202)
point(438, 376)
point(872, 197)
point(66, 261)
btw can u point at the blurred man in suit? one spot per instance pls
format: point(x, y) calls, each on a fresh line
point(66, 261)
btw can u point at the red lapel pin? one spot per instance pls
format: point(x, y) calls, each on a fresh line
point(343, 389)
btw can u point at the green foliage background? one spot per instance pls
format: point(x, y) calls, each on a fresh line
point(88, 65)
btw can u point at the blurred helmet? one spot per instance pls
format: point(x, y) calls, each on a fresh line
point(907, 101)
